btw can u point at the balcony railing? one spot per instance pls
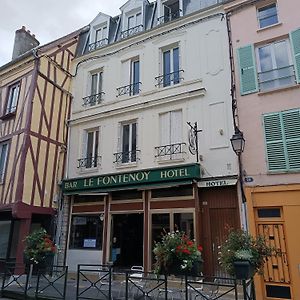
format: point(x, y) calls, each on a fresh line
point(276, 78)
point(172, 151)
point(92, 99)
point(131, 31)
point(131, 89)
point(126, 157)
point(89, 162)
point(98, 44)
point(169, 17)
point(169, 79)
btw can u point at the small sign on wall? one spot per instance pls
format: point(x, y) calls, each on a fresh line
point(89, 243)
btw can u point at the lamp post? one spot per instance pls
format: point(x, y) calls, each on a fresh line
point(238, 145)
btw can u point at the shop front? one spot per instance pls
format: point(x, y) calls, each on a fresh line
point(117, 218)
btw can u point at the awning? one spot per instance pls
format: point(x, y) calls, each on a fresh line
point(149, 186)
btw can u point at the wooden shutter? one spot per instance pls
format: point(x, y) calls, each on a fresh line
point(295, 40)
point(248, 75)
point(291, 125)
point(276, 156)
point(176, 126)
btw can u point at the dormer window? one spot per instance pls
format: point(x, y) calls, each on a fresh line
point(99, 38)
point(134, 25)
point(171, 9)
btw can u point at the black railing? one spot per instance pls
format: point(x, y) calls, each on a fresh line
point(169, 150)
point(276, 78)
point(92, 99)
point(126, 157)
point(89, 162)
point(169, 17)
point(131, 31)
point(130, 89)
point(94, 282)
point(98, 44)
point(169, 79)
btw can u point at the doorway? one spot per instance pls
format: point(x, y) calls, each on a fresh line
point(127, 240)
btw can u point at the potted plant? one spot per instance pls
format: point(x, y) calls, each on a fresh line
point(243, 255)
point(39, 249)
point(178, 255)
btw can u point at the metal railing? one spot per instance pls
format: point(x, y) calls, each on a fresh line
point(169, 150)
point(169, 79)
point(126, 157)
point(274, 78)
point(92, 99)
point(94, 282)
point(131, 31)
point(98, 44)
point(169, 17)
point(130, 89)
point(89, 162)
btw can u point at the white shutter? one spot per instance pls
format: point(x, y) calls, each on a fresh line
point(176, 127)
point(164, 120)
point(125, 72)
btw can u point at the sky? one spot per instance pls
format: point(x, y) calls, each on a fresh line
point(48, 20)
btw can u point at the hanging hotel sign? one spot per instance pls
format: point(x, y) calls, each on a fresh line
point(183, 172)
point(217, 182)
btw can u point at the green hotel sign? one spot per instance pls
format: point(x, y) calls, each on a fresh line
point(148, 176)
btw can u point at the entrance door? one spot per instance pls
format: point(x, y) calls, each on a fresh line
point(220, 215)
point(127, 240)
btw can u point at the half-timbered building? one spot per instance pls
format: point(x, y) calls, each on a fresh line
point(34, 106)
point(149, 146)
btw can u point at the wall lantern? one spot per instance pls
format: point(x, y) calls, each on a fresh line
point(238, 143)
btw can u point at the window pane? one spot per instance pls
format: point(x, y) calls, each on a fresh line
point(96, 147)
point(131, 22)
point(166, 68)
point(94, 84)
point(4, 238)
point(184, 222)
point(86, 232)
point(125, 144)
point(136, 77)
point(176, 64)
point(13, 98)
point(104, 32)
point(265, 58)
point(100, 75)
point(281, 54)
point(133, 142)
point(160, 226)
point(98, 35)
point(138, 19)
point(3, 150)
point(267, 15)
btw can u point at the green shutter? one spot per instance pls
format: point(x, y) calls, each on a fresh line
point(291, 125)
point(295, 40)
point(276, 156)
point(248, 75)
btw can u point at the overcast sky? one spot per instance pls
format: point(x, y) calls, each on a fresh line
point(48, 20)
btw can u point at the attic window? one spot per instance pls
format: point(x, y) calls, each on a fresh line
point(170, 10)
point(134, 25)
point(100, 38)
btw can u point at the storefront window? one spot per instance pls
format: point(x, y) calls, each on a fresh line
point(4, 238)
point(86, 232)
point(184, 222)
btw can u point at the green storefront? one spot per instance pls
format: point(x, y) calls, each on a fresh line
point(120, 215)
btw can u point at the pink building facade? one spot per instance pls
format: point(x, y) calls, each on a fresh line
point(266, 50)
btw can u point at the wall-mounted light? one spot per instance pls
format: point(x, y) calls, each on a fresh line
point(238, 143)
point(102, 217)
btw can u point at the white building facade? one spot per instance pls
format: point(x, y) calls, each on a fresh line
point(135, 167)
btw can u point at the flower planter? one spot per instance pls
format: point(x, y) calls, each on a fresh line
point(243, 269)
point(175, 269)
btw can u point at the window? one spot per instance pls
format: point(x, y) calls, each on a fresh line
point(13, 96)
point(171, 10)
point(134, 20)
point(275, 67)
point(130, 78)
point(5, 227)
point(171, 74)
point(99, 38)
point(86, 232)
point(267, 15)
point(133, 25)
point(90, 147)
point(171, 146)
point(96, 92)
point(3, 159)
point(101, 34)
point(128, 152)
point(282, 135)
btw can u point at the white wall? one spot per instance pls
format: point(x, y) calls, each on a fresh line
point(75, 257)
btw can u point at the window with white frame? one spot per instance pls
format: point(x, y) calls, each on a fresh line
point(171, 145)
point(90, 151)
point(128, 143)
point(171, 10)
point(96, 92)
point(267, 15)
point(133, 24)
point(101, 34)
point(13, 97)
point(3, 159)
point(275, 66)
point(171, 73)
point(134, 20)
point(99, 37)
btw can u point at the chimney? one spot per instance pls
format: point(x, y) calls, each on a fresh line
point(24, 41)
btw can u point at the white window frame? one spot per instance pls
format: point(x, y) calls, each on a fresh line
point(3, 171)
point(134, 16)
point(103, 36)
point(273, 58)
point(262, 7)
point(13, 98)
point(95, 131)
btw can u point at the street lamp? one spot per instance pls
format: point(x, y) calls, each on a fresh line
point(238, 143)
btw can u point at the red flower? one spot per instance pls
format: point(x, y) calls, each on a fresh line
point(189, 243)
point(200, 248)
